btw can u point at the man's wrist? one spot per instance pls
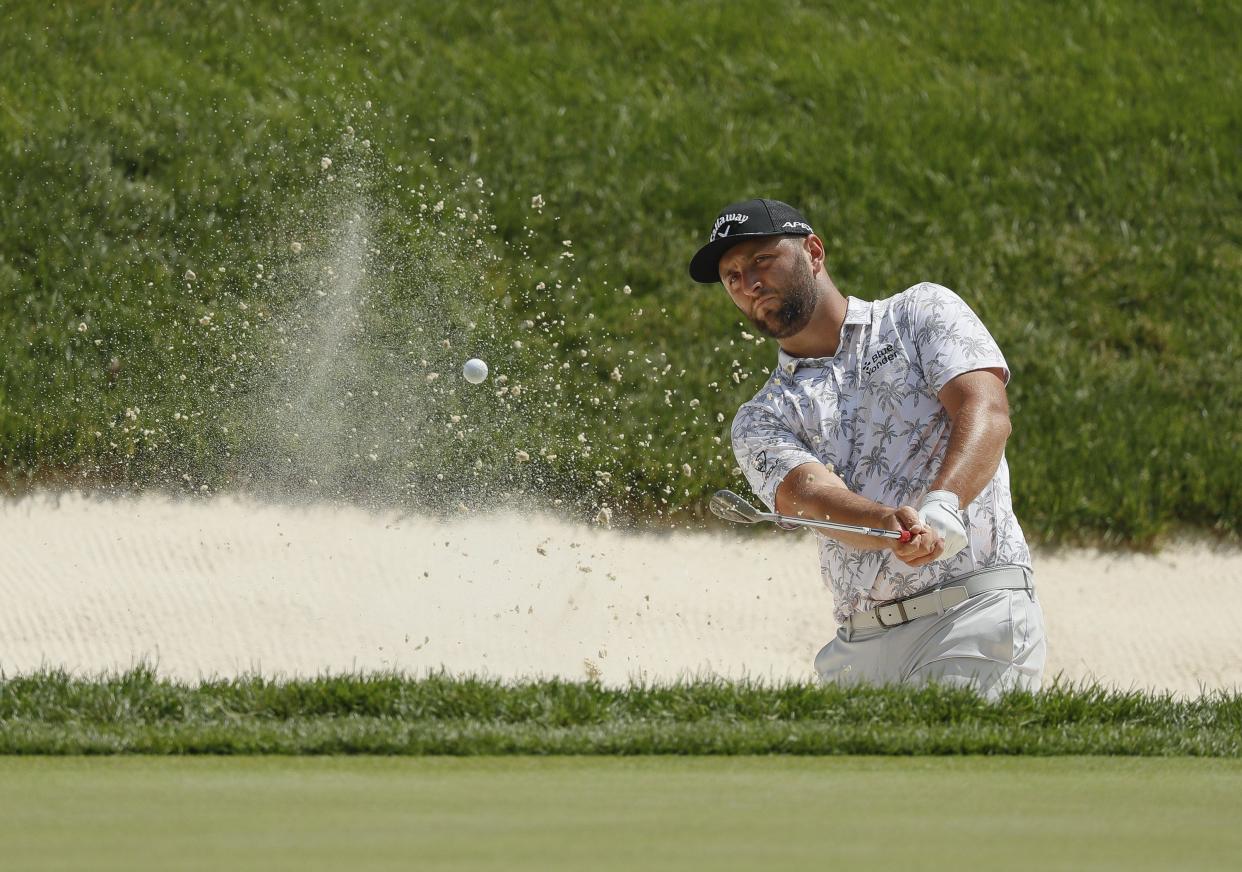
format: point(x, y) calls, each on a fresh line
point(943, 496)
point(884, 517)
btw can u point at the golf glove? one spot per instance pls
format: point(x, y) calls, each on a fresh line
point(939, 510)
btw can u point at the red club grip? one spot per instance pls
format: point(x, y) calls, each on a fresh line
point(906, 536)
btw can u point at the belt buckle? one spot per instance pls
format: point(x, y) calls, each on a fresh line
point(901, 610)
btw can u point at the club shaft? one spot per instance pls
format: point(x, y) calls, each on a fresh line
point(840, 528)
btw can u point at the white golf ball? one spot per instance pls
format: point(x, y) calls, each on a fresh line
point(475, 371)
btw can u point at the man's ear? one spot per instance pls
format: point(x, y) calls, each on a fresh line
point(814, 247)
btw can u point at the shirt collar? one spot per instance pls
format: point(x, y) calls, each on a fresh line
point(856, 312)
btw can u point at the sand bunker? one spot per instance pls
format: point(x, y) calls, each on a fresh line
point(224, 587)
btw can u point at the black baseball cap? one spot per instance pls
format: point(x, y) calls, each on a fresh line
point(739, 222)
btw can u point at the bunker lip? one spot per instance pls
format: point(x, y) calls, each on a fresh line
point(224, 587)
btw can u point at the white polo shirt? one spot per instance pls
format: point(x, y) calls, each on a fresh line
point(871, 413)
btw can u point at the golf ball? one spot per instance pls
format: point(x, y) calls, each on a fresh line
point(475, 371)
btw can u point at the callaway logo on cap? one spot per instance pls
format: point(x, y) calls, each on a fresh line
point(738, 222)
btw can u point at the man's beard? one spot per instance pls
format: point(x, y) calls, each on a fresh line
point(797, 304)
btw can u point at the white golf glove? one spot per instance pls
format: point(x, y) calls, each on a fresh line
point(939, 510)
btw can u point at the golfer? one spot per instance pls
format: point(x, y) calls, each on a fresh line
point(891, 414)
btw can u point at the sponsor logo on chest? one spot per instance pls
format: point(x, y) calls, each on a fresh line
point(882, 356)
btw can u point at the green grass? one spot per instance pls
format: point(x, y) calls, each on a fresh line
point(522, 813)
point(139, 713)
point(1069, 171)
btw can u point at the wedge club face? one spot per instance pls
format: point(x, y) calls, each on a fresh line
point(728, 505)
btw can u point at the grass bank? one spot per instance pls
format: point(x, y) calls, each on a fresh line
point(1068, 171)
point(138, 713)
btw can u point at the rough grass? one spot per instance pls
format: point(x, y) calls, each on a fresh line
point(1070, 171)
point(138, 713)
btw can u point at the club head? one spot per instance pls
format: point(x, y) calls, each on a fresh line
point(728, 505)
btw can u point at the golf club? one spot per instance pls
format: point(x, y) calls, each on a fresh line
point(728, 505)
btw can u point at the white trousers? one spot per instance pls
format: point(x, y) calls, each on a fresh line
point(993, 642)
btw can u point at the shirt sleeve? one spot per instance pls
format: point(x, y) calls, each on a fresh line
point(767, 449)
point(948, 337)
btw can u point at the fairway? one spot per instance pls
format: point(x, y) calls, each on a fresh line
point(577, 813)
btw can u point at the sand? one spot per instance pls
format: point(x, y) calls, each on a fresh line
point(223, 587)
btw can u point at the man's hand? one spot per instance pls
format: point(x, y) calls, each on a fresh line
point(923, 548)
point(939, 511)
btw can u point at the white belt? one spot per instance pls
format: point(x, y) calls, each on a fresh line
point(939, 600)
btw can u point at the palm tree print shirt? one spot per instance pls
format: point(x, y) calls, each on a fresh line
point(872, 414)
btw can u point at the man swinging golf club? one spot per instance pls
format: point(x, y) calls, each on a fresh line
point(873, 409)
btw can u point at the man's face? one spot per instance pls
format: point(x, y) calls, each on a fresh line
point(771, 281)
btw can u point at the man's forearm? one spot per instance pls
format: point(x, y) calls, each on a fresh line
point(815, 491)
point(977, 440)
point(819, 494)
point(849, 508)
